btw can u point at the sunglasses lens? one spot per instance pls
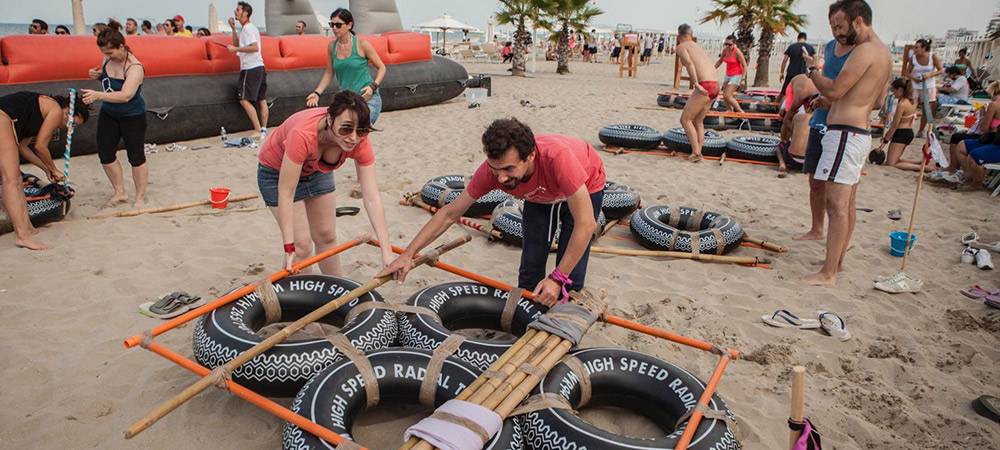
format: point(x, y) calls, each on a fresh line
point(345, 130)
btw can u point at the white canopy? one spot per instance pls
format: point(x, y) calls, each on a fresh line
point(444, 23)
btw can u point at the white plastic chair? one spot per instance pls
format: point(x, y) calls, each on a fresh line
point(993, 178)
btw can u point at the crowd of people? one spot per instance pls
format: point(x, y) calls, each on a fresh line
point(174, 26)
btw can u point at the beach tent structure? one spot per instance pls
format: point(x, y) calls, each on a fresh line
point(444, 23)
point(370, 16)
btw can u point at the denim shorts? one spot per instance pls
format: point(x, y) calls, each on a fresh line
point(375, 107)
point(734, 80)
point(309, 186)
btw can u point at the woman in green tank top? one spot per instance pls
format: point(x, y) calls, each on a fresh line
point(349, 58)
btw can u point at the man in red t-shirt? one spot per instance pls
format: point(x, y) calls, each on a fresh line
point(561, 180)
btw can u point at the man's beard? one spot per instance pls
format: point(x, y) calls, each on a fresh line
point(851, 38)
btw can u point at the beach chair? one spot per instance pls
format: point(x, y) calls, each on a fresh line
point(993, 178)
point(465, 54)
point(492, 52)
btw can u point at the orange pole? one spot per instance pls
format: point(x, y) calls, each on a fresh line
point(186, 317)
point(256, 399)
point(713, 384)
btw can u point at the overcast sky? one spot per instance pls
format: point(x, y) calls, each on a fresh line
point(894, 19)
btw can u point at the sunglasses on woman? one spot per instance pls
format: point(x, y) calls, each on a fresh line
point(337, 25)
point(346, 130)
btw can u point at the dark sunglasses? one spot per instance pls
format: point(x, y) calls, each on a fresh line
point(346, 130)
point(728, 44)
point(337, 25)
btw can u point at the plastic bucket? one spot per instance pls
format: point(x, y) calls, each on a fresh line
point(219, 197)
point(897, 242)
point(475, 96)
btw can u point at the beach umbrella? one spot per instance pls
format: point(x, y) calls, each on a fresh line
point(213, 18)
point(79, 26)
point(445, 23)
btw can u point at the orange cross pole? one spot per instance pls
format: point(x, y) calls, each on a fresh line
point(232, 296)
point(713, 384)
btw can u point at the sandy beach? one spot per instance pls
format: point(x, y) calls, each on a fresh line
point(906, 377)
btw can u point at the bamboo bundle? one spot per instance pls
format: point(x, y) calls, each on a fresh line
point(511, 378)
point(221, 373)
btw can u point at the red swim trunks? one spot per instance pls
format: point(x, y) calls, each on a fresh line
point(712, 87)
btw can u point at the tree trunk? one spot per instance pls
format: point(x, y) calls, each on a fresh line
point(517, 60)
point(744, 34)
point(766, 42)
point(562, 51)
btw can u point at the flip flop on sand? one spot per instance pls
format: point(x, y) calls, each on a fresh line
point(993, 301)
point(987, 406)
point(895, 214)
point(784, 319)
point(170, 305)
point(970, 237)
point(833, 325)
point(977, 292)
point(348, 211)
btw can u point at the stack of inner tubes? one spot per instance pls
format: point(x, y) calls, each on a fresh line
point(442, 190)
point(676, 140)
point(46, 204)
point(630, 136)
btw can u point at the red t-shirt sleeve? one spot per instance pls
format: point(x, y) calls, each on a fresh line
point(570, 173)
point(482, 182)
point(296, 147)
point(364, 155)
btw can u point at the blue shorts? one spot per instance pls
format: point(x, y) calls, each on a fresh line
point(309, 186)
point(375, 107)
point(982, 153)
point(734, 80)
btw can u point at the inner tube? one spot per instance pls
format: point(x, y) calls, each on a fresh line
point(281, 371)
point(675, 229)
point(51, 204)
point(462, 305)
point(335, 397)
point(754, 148)
point(627, 379)
point(508, 217)
point(680, 101)
point(665, 100)
point(619, 200)
point(455, 185)
point(676, 139)
point(630, 136)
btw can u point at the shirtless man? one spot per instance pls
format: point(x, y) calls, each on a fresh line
point(857, 90)
point(795, 123)
point(702, 73)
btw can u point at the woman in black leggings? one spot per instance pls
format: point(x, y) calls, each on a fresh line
point(123, 113)
point(27, 116)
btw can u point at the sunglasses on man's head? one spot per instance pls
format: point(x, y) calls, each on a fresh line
point(337, 25)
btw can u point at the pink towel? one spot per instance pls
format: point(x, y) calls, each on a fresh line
point(447, 435)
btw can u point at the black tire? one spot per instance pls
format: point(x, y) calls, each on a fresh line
point(627, 379)
point(432, 190)
point(507, 219)
point(463, 305)
point(651, 227)
point(680, 101)
point(619, 201)
point(335, 399)
point(665, 100)
point(40, 212)
point(767, 108)
point(630, 136)
point(281, 371)
point(754, 148)
point(676, 139)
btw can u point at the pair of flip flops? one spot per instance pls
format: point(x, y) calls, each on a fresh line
point(829, 322)
point(977, 292)
point(171, 305)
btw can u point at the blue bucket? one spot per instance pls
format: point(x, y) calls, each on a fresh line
point(897, 242)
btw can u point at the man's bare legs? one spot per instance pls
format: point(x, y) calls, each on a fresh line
point(264, 113)
point(838, 208)
point(853, 216)
point(817, 209)
point(693, 122)
point(252, 114)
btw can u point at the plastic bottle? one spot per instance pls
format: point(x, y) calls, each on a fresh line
point(224, 136)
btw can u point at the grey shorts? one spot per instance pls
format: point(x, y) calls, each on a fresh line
point(253, 84)
point(309, 186)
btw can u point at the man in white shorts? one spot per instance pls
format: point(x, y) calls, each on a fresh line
point(855, 92)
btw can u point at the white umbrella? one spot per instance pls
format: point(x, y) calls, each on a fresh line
point(445, 23)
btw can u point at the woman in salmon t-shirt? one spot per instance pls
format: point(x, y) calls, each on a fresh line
point(295, 176)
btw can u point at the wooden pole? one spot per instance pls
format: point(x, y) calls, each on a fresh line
point(279, 337)
point(798, 401)
point(681, 255)
point(706, 396)
point(413, 199)
point(766, 245)
point(174, 207)
point(913, 212)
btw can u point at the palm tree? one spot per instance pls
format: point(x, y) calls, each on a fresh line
point(560, 16)
point(516, 13)
point(744, 11)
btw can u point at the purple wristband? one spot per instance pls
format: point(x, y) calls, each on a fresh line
point(559, 277)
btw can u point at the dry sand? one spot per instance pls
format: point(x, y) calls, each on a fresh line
point(907, 376)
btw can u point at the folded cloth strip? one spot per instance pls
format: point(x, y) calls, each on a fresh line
point(571, 321)
point(457, 425)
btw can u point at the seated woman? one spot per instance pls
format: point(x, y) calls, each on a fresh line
point(989, 121)
point(973, 154)
point(900, 134)
point(295, 177)
point(23, 116)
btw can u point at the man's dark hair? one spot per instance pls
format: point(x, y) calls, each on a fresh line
point(131, 20)
point(204, 32)
point(147, 25)
point(345, 100)
point(503, 134)
point(683, 29)
point(302, 22)
point(953, 70)
point(41, 24)
point(81, 109)
point(925, 43)
point(853, 9)
point(246, 8)
point(63, 28)
point(802, 35)
point(963, 51)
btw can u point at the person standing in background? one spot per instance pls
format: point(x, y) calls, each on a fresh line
point(131, 27)
point(62, 30)
point(38, 26)
point(179, 27)
point(300, 28)
point(923, 66)
point(792, 63)
point(253, 76)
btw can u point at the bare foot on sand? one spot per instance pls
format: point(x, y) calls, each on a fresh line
point(116, 200)
point(694, 158)
point(810, 236)
point(139, 203)
point(28, 243)
point(819, 279)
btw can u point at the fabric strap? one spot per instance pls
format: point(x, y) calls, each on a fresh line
point(695, 242)
point(542, 401)
point(694, 221)
point(428, 387)
point(576, 366)
point(509, 308)
point(672, 239)
point(269, 300)
point(720, 244)
point(345, 347)
point(809, 439)
point(712, 414)
point(674, 216)
point(464, 423)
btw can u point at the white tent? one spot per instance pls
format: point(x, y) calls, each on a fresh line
point(445, 23)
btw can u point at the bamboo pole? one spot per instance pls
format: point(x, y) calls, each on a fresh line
point(798, 401)
point(913, 212)
point(682, 255)
point(174, 207)
point(279, 337)
point(413, 199)
point(230, 297)
point(510, 402)
point(766, 245)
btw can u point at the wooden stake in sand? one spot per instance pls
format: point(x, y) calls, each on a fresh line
point(766, 245)
point(174, 207)
point(798, 401)
point(220, 374)
point(681, 255)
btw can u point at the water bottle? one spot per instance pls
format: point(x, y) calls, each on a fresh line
point(224, 136)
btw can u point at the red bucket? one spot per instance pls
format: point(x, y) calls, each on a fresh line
point(970, 120)
point(220, 197)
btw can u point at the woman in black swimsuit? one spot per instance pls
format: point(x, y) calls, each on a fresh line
point(27, 116)
point(901, 133)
